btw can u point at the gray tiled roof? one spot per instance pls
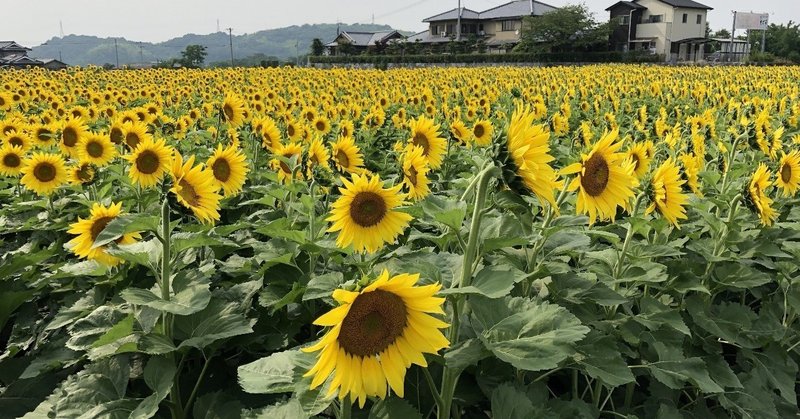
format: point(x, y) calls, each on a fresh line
point(689, 4)
point(629, 4)
point(516, 9)
point(425, 37)
point(453, 14)
point(363, 39)
point(12, 45)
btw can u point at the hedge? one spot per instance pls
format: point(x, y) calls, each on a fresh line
point(554, 57)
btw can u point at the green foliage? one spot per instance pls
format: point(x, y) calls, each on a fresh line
point(193, 56)
point(569, 28)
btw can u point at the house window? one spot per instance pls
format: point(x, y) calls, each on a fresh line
point(624, 20)
point(434, 29)
point(685, 17)
point(656, 18)
point(508, 25)
point(451, 29)
point(699, 19)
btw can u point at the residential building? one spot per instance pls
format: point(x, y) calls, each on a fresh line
point(14, 55)
point(673, 28)
point(358, 42)
point(499, 27)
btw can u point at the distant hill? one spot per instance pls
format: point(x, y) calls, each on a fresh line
point(282, 43)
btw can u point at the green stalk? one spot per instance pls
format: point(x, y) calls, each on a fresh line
point(197, 385)
point(346, 409)
point(450, 376)
point(628, 236)
point(723, 236)
point(166, 319)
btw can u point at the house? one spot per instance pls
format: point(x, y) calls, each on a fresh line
point(359, 42)
point(673, 28)
point(499, 27)
point(53, 64)
point(14, 55)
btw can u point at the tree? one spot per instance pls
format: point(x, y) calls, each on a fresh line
point(570, 28)
point(193, 56)
point(781, 40)
point(722, 33)
point(317, 48)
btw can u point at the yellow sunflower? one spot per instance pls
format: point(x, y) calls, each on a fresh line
point(18, 139)
point(364, 215)
point(44, 134)
point(347, 156)
point(318, 156)
point(528, 146)
point(89, 229)
point(638, 153)
point(149, 161)
point(460, 131)
point(789, 173)
point(691, 169)
point(96, 149)
point(757, 198)
point(11, 159)
point(232, 110)
point(43, 173)
point(288, 151)
point(294, 130)
point(667, 196)
point(229, 169)
point(482, 132)
point(81, 174)
point(116, 132)
point(375, 335)
point(195, 189)
point(415, 173)
point(72, 131)
point(321, 125)
point(605, 181)
point(135, 133)
point(426, 135)
point(270, 135)
point(346, 128)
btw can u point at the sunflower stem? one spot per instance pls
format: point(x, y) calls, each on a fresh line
point(432, 385)
point(628, 236)
point(719, 246)
point(346, 411)
point(197, 385)
point(166, 319)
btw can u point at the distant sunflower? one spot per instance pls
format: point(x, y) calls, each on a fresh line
point(667, 197)
point(604, 181)
point(116, 132)
point(482, 132)
point(96, 149)
point(426, 135)
point(149, 161)
point(460, 131)
point(44, 134)
point(318, 156)
point(195, 189)
point(229, 169)
point(364, 215)
point(72, 131)
point(347, 156)
point(638, 153)
point(11, 159)
point(375, 335)
point(18, 139)
point(89, 229)
point(294, 131)
point(321, 125)
point(81, 174)
point(288, 151)
point(528, 146)
point(232, 110)
point(789, 173)
point(691, 170)
point(757, 198)
point(43, 173)
point(135, 134)
point(270, 135)
point(346, 128)
point(415, 173)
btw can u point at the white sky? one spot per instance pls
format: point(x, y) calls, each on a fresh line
point(35, 21)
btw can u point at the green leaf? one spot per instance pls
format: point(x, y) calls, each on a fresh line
point(155, 344)
point(273, 374)
point(450, 212)
point(289, 409)
point(282, 228)
point(217, 405)
point(158, 375)
point(94, 391)
point(565, 241)
point(509, 402)
point(675, 373)
point(741, 276)
point(600, 357)
point(217, 321)
point(10, 301)
point(535, 339)
point(183, 241)
point(465, 353)
point(85, 332)
point(773, 366)
point(192, 294)
point(393, 407)
point(146, 253)
point(124, 224)
point(654, 314)
point(85, 268)
point(732, 322)
point(491, 282)
point(322, 286)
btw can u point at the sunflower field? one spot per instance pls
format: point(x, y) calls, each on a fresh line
point(611, 241)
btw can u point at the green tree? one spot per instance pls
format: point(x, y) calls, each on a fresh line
point(317, 47)
point(570, 28)
point(193, 56)
point(782, 41)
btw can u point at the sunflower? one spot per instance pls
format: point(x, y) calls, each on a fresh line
point(288, 151)
point(375, 335)
point(691, 169)
point(44, 134)
point(116, 132)
point(346, 128)
point(364, 215)
point(135, 133)
point(638, 153)
point(43, 173)
point(528, 148)
point(195, 189)
point(229, 169)
point(11, 159)
point(757, 198)
point(96, 149)
point(460, 131)
point(149, 161)
point(270, 135)
point(604, 180)
point(482, 132)
point(321, 125)
point(294, 130)
point(426, 135)
point(89, 229)
point(72, 131)
point(318, 156)
point(232, 110)
point(667, 196)
point(789, 173)
point(415, 173)
point(347, 156)
point(81, 174)
point(18, 139)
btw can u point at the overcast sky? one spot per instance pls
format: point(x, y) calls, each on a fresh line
point(34, 21)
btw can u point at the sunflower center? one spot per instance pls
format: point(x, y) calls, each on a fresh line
point(421, 140)
point(94, 149)
point(478, 131)
point(147, 162)
point(188, 193)
point(70, 137)
point(132, 140)
point(412, 175)
point(228, 111)
point(320, 126)
point(44, 172)
point(43, 134)
point(85, 173)
point(116, 135)
point(221, 169)
point(786, 173)
point(99, 225)
point(375, 320)
point(290, 130)
point(16, 141)
point(11, 160)
point(367, 209)
point(342, 158)
point(595, 176)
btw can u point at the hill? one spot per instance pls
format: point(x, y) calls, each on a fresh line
point(282, 43)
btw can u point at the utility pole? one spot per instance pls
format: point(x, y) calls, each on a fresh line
point(141, 54)
point(116, 52)
point(733, 29)
point(458, 23)
point(230, 40)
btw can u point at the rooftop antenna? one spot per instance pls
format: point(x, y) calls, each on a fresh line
point(338, 27)
point(373, 18)
point(218, 25)
point(61, 28)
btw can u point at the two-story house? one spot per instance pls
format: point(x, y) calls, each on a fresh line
point(353, 43)
point(674, 28)
point(15, 55)
point(499, 27)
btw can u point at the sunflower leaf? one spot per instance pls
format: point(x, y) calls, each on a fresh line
point(269, 375)
point(125, 224)
point(191, 294)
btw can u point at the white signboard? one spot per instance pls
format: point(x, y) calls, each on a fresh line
point(757, 21)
